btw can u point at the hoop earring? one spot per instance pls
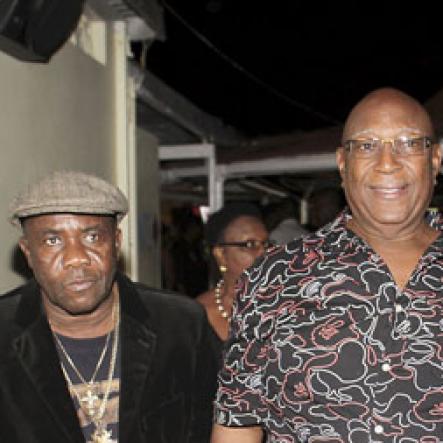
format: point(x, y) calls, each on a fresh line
point(223, 269)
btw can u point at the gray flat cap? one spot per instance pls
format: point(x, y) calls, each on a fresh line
point(69, 192)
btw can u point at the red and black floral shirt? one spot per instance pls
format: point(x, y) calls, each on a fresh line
point(324, 347)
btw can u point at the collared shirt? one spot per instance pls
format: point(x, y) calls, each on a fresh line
point(325, 347)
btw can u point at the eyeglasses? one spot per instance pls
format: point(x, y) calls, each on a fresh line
point(249, 244)
point(401, 147)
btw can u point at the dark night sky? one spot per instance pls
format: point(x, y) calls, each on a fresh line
point(284, 66)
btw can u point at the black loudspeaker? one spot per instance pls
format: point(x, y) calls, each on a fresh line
point(33, 30)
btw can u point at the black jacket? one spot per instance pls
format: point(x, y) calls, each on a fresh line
point(167, 371)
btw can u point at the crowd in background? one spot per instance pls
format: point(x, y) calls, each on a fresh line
point(186, 258)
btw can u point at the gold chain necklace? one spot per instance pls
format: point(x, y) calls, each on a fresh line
point(101, 434)
point(219, 302)
point(89, 400)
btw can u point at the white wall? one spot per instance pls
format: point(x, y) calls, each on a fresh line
point(59, 115)
point(148, 210)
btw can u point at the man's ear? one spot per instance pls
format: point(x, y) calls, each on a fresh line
point(340, 158)
point(24, 246)
point(118, 240)
point(436, 159)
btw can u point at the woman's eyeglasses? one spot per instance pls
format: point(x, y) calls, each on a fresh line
point(249, 244)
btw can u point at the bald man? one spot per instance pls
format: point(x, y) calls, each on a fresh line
point(338, 336)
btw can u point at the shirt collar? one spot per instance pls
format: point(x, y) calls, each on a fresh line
point(336, 237)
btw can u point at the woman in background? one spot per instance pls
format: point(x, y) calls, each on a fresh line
point(236, 235)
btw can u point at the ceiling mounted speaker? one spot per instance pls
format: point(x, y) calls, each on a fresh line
point(33, 30)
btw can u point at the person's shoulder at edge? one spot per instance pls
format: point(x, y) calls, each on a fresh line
point(9, 306)
point(11, 298)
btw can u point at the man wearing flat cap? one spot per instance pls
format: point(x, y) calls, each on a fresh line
point(86, 355)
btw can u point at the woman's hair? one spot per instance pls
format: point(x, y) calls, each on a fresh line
point(220, 220)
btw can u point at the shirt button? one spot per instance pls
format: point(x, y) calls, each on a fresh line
point(386, 367)
point(398, 308)
point(378, 429)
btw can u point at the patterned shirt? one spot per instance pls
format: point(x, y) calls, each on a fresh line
point(324, 347)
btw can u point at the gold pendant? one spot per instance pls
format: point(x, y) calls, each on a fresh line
point(101, 435)
point(89, 402)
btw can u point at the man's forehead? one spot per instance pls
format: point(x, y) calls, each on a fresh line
point(369, 132)
point(387, 114)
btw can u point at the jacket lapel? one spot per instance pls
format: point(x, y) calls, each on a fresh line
point(36, 352)
point(137, 350)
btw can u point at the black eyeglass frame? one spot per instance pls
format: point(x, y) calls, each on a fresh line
point(248, 244)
